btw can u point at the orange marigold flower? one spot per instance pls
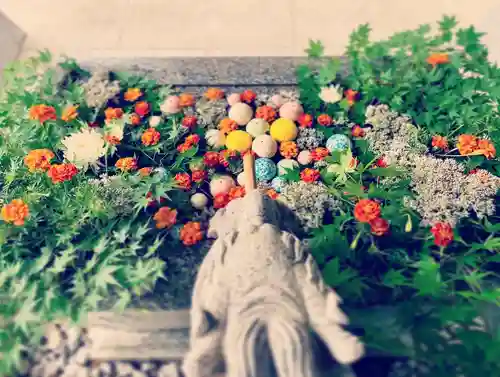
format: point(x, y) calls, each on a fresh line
point(183, 180)
point(288, 149)
point(266, 112)
point(211, 159)
point(142, 108)
point(150, 137)
point(221, 200)
point(62, 172)
point(113, 113)
point(189, 121)
point(226, 156)
point(357, 131)
point(487, 148)
point(325, 120)
point(379, 226)
point(438, 58)
point(186, 100)
point(214, 94)
point(184, 147)
point(191, 233)
point(351, 96)
point(15, 212)
point(132, 94)
point(467, 144)
point(42, 113)
point(236, 192)
point(165, 217)
point(38, 159)
point(126, 164)
point(305, 120)
point(353, 163)
point(193, 139)
point(70, 113)
point(248, 96)
point(366, 210)
point(272, 194)
point(309, 175)
point(440, 142)
point(319, 154)
point(114, 140)
point(227, 125)
point(135, 119)
point(443, 234)
point(199, 175)
point(145, 172)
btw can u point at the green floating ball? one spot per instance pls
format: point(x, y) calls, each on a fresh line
point(265, 169)
point(338, 142)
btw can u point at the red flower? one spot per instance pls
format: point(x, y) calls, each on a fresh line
point(357, 131)
point(62, 172)
point(165, 217)
point(193, 139)
point(186, 100)
point(381, 163)
point(126, 164)
point(467, 144)
point(199, 175)
point(325, 120)
point(440, 142)
point(183, 180)
point(42, 113)
point(272, 194)
point(319, 154)
point(221, 200)
point(189, 121)
point(351, 96)
point(309, 175)
point(226, 156)
point(135, 119)
point(142, 108)
point(366, 210)
point(248, 96)
point(113, 113)
point(305, 120)
point(443, 234)
point(266, 112)
point(145, 172)
point(211, 159)
point(191, 233)
point(236, 192)
point(438, 58)
point(379, 226)
point(183, 147)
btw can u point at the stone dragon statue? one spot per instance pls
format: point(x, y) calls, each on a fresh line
point(258, 298)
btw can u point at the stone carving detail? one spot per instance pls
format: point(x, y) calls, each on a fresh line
point(258, 295)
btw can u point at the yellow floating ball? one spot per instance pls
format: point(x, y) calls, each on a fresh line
point(283, 130)
point(238, 140)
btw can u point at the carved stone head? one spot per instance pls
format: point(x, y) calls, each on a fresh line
point(247, 214)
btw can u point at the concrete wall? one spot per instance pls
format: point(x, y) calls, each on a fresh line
point(11, 40)
point(87, 29)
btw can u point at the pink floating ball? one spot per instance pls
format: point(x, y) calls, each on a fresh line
point(233, 98)
point(291, 110)
point(171, 105)
point(304, 157)
point(277, 100)
point(221, 184)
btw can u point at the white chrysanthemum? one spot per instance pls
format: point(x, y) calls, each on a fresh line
point(331, 94)
point(84, 148)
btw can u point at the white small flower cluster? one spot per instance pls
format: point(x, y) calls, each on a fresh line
point(309, 138)
point(446, 194)
point(99, 90)
point(119, 197)
point(443, 192)
point(210, 113)
point(309, 201)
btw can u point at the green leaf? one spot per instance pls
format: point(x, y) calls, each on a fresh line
point(492, 244)
point(191, 152)
point(334, 276)
point(394, 278)
point(328, 72)
point(390, 171)
point(315, 50)
point(292, 174)
point(427, 280)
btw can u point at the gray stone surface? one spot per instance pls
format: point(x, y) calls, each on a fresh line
point(11, 40)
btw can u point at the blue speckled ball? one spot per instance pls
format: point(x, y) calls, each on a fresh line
point(265, 169)
point(278, 183)
point(338, 142)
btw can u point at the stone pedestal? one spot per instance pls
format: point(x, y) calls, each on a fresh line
point(11, 40)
